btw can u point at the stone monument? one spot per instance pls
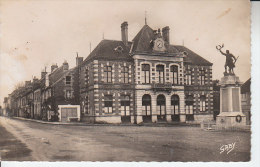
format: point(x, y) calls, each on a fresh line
point(231, 114)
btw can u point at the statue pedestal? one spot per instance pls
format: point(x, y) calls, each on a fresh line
point(230, 103)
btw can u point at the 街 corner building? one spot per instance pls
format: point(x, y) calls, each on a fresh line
point(147, 79)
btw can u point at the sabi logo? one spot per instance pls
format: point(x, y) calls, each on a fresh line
point(227, 147)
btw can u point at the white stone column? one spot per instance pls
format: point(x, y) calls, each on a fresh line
point(138, 102)
point(154, 108)
point(182, 107)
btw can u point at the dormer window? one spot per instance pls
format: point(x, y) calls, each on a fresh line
point(119, 49)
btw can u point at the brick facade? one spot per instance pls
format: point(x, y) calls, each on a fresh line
point(173, 74)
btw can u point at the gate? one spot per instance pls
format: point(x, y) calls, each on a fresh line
point(69, 113)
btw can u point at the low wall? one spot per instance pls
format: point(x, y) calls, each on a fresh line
point(108, 119)
point(200, 118)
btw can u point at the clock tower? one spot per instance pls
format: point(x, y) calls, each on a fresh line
point(159, 42)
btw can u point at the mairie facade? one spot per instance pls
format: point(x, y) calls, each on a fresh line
point(145, 80)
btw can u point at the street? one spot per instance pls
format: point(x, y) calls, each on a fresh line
point(26, 140)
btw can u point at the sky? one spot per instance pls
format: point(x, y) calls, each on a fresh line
point(35, 34)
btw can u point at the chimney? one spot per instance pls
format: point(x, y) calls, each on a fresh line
point(53, 67)
point(124, 32)
point(34, 79)
point(65, 66)
point(43, 73)
point(79, 60)
point(27, 83)
point(166, 34)
point(47, 82)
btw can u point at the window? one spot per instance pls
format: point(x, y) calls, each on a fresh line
point(189, 104)
point(175, 103)
point(188, 76)
point(174, 74)
point(202, 103)
point(125, 105)
point(146, 105)
point(108, 74)
point(160, 73)
point(188, 79)
point(202, 77)
point(68, 94)
point(161, 104)
point(145, 73)
point(108, 103)
point(68, 80)
point(124, 75)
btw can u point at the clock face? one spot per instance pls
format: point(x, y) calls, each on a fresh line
point(159, 44)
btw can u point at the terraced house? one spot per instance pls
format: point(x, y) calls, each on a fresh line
point(145, 80)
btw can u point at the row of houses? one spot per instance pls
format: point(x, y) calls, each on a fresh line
point(147, 79)
point(39, 98)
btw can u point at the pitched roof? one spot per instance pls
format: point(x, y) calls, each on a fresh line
point(110, 50)
point(141, 42)
point(192, 57)
point(106, 49)
point(245, 88)
point(64, 73)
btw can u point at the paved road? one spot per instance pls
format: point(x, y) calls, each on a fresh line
point(125, 143)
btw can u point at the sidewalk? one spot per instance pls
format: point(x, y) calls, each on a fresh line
point(158, 124)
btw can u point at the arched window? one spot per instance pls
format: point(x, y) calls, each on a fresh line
point(202, 103)
point(146, 104)
point(160, 73)
point(175, 103)
point(189, 104)
point(145, 75)
point(174, 74)
point(161, 104)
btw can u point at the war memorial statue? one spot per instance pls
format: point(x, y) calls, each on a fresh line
point(230, 59)
point(231, 115)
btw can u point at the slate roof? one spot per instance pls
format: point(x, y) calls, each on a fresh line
point(141, 42)
point(192, 57)
point(245, 88)
point(106, 50)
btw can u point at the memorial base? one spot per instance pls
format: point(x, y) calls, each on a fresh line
point(230, 103)
point(231, 119)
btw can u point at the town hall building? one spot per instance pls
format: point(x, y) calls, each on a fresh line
point(145, 80)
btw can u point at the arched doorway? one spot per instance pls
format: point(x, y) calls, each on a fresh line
point(147, 108)
point(175, 108)
point(161, 109)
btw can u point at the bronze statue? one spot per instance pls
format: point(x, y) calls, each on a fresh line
point(230, 59)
